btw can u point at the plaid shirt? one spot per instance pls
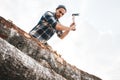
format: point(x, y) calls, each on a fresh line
point(45, 28)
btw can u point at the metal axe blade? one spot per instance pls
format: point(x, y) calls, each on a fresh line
point(73, 15)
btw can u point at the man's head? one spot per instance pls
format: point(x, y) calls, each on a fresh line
point(60, 11)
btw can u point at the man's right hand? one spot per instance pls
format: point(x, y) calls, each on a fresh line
point(72, 27)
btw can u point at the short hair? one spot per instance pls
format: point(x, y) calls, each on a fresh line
point(61, 6)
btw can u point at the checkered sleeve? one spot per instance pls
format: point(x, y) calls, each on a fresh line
point(50, 18)
point(59, 33)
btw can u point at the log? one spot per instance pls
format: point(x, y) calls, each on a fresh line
point(16, 65)
point(47, 57)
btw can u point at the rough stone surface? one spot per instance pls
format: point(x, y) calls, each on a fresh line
point(44, 55)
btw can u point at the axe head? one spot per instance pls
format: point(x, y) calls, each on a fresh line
point(75, 14)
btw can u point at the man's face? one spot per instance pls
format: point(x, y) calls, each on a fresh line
point(60, 12)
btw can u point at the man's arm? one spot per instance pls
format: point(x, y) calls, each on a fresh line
point(64, 34)
point(65, 29)
point(61, 27)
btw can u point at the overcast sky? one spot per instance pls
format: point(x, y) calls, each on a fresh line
point(94, 47)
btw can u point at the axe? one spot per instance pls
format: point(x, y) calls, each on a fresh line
point(73, 16)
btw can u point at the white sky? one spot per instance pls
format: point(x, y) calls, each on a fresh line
point(94, 47)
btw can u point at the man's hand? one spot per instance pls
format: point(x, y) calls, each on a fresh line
point(72, 27)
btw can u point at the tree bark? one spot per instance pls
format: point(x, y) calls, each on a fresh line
point(15, 65)
point(45, 56)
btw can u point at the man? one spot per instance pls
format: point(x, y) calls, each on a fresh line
point(49, 24)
